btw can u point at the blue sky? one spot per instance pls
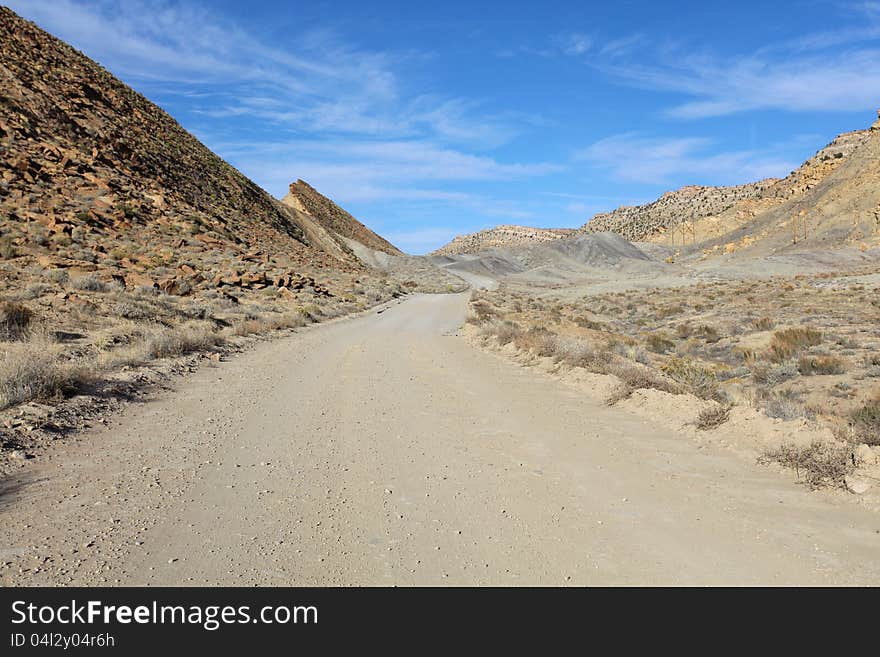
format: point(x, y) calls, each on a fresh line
point(430, 119)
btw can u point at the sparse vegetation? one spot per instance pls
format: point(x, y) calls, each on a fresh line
point(89, 283)
point(819, 464)
point(693, 377)
point(787, 343)
point(31, 370)
point(865, 423)
point(15, 318)
point(713, 417)
point(809, 365)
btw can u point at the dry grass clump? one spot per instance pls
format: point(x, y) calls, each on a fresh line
point(481, 311)
point(712, 417)
point(32, 370)
point(89, 284)
point(865, 423)
point(810, 364)
point(7, 249)
point(15, 318)
point(787, 343)
point(659, 343)
point(578, 353)
point(504, 331)
point(819, 464)
point(693, 377)
point(635, 377)
point(763, 324)
point(708, 333)
point(277, 322)
point(784, 405)
point(537, 340)
point(152, 341)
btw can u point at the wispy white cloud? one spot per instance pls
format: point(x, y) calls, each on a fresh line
point(575, 43)
point(359, 170)
point(651, 160)
point(832, 70)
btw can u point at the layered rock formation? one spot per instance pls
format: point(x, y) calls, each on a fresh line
point(304, 198)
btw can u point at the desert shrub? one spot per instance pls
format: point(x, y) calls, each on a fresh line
point(865, 423)
point(787, 343)
point(659, 343)
point(766, 375)
point(585, 322)
point(537, 340)
point(634, 377)
point(183, 339)
point(7, 249)
point(504, 331)
point(692, 376)
point(708, 333)
point(747, 354)
point(160, 341)
point(733, 373)
point(809, 364)
point(579, 353)
point(481, 311)
point(15, 319)
point(31, 371)
point(670, 311)
point(819, 464)
point(763, 324)
point(712, 417)
point(784, 405)
point(89, 284)
point(35, 290)
point(60, 276)
point(130, 309)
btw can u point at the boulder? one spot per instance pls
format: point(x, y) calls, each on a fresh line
point(866, 455)
point(857, 484)
point(136, 279)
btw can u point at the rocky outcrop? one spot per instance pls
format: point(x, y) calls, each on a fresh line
point(501, 237)
point(304, 198)
point(686, 204)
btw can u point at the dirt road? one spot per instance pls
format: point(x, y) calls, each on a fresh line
point(385, 450)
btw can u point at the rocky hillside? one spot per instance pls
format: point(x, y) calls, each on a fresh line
point(688, 203)
point(96, 178)
point(304, 198)
point(832, 200)
point(501, 237)
point(715, 211)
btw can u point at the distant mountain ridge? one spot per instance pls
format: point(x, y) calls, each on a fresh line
point(501, 237)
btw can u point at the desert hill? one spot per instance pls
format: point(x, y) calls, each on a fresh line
point(501, 237)
point(95, 176)
point(831, 201)
point(738, 217)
